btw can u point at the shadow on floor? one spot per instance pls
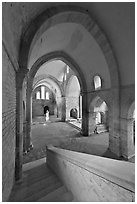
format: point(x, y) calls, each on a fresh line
point(64, 136)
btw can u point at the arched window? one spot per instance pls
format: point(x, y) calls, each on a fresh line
point(38, 95)
point(65, 77)
point(97, 82)
point(42, 92)
point(67, 69)
point(47, 95)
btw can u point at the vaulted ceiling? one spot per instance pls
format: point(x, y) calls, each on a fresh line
point(116, 19)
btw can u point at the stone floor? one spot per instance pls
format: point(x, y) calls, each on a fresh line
point(39, 184)
point(65, 136)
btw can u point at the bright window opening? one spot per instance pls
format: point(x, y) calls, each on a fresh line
point(47, 95)
point(97, 82)
point(38, 95)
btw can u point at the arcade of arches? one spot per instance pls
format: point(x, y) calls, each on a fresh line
point(77, 63)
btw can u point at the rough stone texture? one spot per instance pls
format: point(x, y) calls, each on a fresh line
point(92, 123)
point(111, 98)
point(8, 125)
point(17, 17)
point(119, 28)
point(38, 107)
point(91, 178)
point(72, 102)
point(126, 131)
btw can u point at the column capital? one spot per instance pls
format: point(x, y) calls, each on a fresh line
point(20, 77)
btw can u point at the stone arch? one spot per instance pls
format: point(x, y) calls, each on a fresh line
point(38, 105)
point(97, 101)
point(131, 110)
point(73, 95)
point(46, 85)
point(69, 14)
point(42, 77)
point(74, 113)
point(69, 83)
point(58, 55)
point(51, 56)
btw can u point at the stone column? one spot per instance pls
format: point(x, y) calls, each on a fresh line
point(114, 123)
point(91, 122)
point(84, 130)
point(127, 138)
point(63, 116)
point(24, 136)
point(19, 136)
point(67, 108)
point(28, 118)
point(19, 123)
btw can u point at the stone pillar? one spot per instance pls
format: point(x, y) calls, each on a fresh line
point(28, 118)
point(63, 116)
point(84, 115)
point(19, 136)
point(127, 138)
point(114, 124)
point(24, 136)
point(68, 99)
point(91, 123)
point(19, 123)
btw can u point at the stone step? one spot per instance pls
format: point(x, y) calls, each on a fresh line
point(39, 183)
point(28, 190)
point(59, 195)
point(42, 193)
point(101, 128)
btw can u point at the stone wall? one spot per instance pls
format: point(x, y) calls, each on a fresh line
point(72, 102)
point(8, 124)
point(93, 178)
point(38, 107)
point(127, 99)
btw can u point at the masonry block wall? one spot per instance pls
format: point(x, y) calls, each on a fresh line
point(71, 102)
point(127, 99)
point(38, 107)
point(8, 124)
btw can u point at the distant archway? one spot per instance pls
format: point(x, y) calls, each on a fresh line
point(72, 64)
point(68, 14)
point(99, 116)
point(73, 100)
point(74, 113)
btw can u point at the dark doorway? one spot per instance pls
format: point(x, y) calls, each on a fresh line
point(74, 113)
point(46, 108)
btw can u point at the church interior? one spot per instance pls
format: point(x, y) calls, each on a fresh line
point(68, 101)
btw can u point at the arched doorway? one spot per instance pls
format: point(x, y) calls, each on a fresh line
point(99, 116)
point(74, 113)
point(73, 100)
point(94, 36)
point(45, 101)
